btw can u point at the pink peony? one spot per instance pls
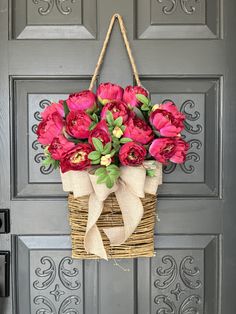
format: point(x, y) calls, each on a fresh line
point(138, 130)
point(78, 123)
point(169, 149)
point(84, 100)
point(54, 107)
point(130, 95)
point(132, 154)
point(77, 158)
point(168, 120)
point(49, 128)
point(118, 109)
point(101, 132)
point(59, 146)
point(107, 92)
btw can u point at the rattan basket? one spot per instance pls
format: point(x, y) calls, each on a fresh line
point(139, 244)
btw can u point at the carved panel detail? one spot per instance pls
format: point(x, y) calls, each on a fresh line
point(53, 286)
point(175, 279)
point(171, 6)
point(178, 19)
point(46, 6)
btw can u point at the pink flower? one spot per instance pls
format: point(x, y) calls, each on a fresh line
point(59, 146)
point(78, 123)
point(107, 92)
point(101, 132)
point(118, 109)
point(84, 100)
point(138, 130)
point(132, 154)
point(169, 149)
point(49, 128)
point(77, 158)
point(168, 120)
point(130, 95)
point(54, 107)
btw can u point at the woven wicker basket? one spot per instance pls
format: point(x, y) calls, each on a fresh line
point(140, 243)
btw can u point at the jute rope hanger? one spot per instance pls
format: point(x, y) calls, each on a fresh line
point(115, 17)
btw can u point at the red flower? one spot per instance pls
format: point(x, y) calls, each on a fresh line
point(168, 120)
point(138, 130)
point(77, 124)
point(59, 146)
point(169, 149)
point(118, 109)
point(76, 158)
point(107, 92)
point(130, 95)
point(54, 107)
point(49, 128)
point(101, 132)
point(132, 154)
point(84, 100)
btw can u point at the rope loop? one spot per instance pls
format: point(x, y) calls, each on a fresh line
point(115, 17)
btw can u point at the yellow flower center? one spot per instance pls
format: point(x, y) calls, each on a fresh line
point(78, 157)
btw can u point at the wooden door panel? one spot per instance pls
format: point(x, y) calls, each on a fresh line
point(184, 274)
point(54, 19)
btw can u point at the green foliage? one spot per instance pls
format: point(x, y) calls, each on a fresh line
point(66, 109)
point(143, 99)
point(109, 118)
point(124, 140)
point(107, 149)
point(118, 122)
point(97, 144)
point(151, 172)
point(108, 175)
point(49, 161)
point(94, 155)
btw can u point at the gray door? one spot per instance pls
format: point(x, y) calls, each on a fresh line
point(185, 51)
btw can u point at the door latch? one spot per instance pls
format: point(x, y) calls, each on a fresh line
point(4, 273)
point(4, 221)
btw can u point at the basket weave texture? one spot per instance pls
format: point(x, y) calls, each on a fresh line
point(139, 244)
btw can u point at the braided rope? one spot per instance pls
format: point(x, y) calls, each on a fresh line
point(104, 48)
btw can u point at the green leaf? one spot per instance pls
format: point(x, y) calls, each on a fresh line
point(124, 140)
point(118, 122)
point(102, 178)
point(94, 117)
point(109, 118)
point(112, 153)
point(97, 144)
point(109, 182)
point(151, 172)
point(145, 107)
point(94, 155)
point(107, 149)
point(56, 164)
point(143, 99)
point(101, 170)
point(113, 167)
point(123, 128)
point(47, 161)
point(66, 109)
point(92, 126)
point(96, 161)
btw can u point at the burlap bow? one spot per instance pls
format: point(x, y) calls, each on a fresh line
point(130, 187)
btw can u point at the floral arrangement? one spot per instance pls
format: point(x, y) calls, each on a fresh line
point(112, 128)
